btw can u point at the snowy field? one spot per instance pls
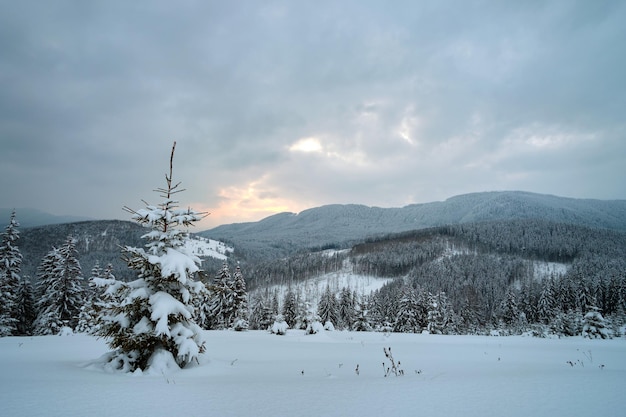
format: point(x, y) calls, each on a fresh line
point(258, 374)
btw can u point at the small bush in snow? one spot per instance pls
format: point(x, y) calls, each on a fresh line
point(66, 331)
point(240, 325)
point(314, 327)
point(280, 326)
point(329, 326)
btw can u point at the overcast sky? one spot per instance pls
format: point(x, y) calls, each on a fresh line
point(286, 105)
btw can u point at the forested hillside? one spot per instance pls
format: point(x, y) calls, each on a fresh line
point(339, 226)
point(99, 241)
point(520, 270)
point(96, 241)
point(476, 276)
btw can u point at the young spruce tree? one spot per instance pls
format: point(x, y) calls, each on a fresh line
point(10, 269)
point(154, 320)
point(61, 293)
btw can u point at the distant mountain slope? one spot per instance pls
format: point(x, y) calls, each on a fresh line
point(29, 217)
point(101, 241)
point(330, 225)
point(96, 240)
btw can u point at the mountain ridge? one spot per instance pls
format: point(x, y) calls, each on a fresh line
point(30, 217)
point(338, 224)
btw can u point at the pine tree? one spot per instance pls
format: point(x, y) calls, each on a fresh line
point(7, 323)
point(469, 317)
point(439, 314)
point(346, 309)
point(62, 294)
point(407, 320)
point(223, 307)
point(154, 321)
point(594, 325)
point(361, 320)
point(547, 303)
point(280, 326)
point(203, 315)
point(510, 313)
point(90, 311)
point(290, 308)
point(10, 269)
point(327, 307)
point(240, 301)
point(304, 313)
point(261, 316)
point(26, 308)
point(275, 304)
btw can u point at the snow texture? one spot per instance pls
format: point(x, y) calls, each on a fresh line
point(470, 376)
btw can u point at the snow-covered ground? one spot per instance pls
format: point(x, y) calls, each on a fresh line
point(311, 289)
point(546, 270)
point(203, 247)
point(259, 374)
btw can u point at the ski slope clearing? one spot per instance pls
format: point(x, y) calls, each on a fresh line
point(259, 374)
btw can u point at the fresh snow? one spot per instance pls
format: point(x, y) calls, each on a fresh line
point(258, 374)
point(175, 262)
point(204, 248)
point(312, 288)
point(546, 270)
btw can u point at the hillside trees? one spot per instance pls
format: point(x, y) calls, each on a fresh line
point(240, 300)
point(154, 321)
point(89, 317)
point(10, 279)
point(594, 326)
point(26, 312)
point(290, 308)
point(408, 319)
point(60, 290)
point(327, 308)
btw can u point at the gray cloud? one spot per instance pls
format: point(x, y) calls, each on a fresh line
point(406, 102)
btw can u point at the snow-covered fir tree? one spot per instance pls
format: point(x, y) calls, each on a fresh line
point(280, 326)
point(439, 314)
point(45, 272)
point(546, 305)
point(275, 303)
point(290, 308)
point(154, 320)
point(7, 323)
point(88, 319)
point(240, 301)
point(308, 319)
point(61, 290)
point(361, 320)
point(223, 307)
point(346, 309)
point(469, 318)
point(261, 315)
point(407, 320)
point(203, 316)
point(327, 308)
point(26, 308)
point(10, 269)
point(594, 325)
point(304, 313)
point(511, 317)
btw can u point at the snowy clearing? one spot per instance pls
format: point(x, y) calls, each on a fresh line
point(259, 374)
point(311, 289)
point(203, 248)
